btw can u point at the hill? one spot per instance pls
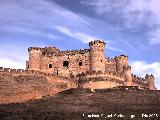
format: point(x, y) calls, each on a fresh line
point(83, 104)
point(21, 88)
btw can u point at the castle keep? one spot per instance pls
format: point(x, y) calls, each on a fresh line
point(88, 66)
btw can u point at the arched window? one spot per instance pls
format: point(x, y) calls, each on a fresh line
point(50, 65)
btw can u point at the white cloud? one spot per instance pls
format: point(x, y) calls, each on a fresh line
point(10, 63)
point(12, 57)
point(105, 6)
point(29, 31)
point(85, 38)
point(134, 13)
point(34, 18)
point(142, 68)
point(146, 12)
point(115, 49)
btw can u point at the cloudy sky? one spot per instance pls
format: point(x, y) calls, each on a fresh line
point(130, 27)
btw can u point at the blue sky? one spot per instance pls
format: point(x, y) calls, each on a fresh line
point(130, 27)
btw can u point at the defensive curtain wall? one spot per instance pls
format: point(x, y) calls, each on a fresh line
point(96, 80)
point(74, 62)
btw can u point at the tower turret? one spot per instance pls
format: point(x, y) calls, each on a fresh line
point(121, 62)
point(35, 55)
point(150, 81)
point(97, 55)
point(127, 75)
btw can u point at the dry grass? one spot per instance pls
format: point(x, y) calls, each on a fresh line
point(73, 103)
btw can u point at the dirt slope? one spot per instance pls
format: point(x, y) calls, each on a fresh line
point(78, 104)
point(22, 88)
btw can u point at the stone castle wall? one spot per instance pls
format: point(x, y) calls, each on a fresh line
point(101, 81)
point(19, 85)
point(112, 79)
point(73, 67)
point(78, 62)
point(101, 84)
point(92, 59)
point(5, 72)
point(86, 68)
point(71, 63)
point(96, 80)
point(110, 65)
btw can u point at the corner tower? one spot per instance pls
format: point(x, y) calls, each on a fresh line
point(150, 81)
point(35, 55)
point(127, 75)
point(121, 62)
point(97, 55)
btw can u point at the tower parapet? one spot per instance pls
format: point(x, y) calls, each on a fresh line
point(34, 48)
point(35, 55)
point(50, 50)
point(96, 41)
point(150, 81)
point(91, 61)
point(97, 56)
point(121, 62)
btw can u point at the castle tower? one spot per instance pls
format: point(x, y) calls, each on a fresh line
point(35, 55)
point(97, 55)
point(127, 75)
point(121, 62)
point(150, 81)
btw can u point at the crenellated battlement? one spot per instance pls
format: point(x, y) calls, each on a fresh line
point(19, 71)
point(61, 70)
point(110, 59)
point(16, 72)
point(139, 80)
point(125, 68)
point(97, 73)
point(84, 62)
point(100, 80)
point(85, 77)
point(50, 51)
point(74, 52)
point(121, 57)
point(34, 48)
point(95, 42)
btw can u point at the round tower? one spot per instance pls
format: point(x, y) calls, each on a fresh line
point(127, 75)
point(150, 81)
point(35, 55)
point(97, 55)
point(121, 62)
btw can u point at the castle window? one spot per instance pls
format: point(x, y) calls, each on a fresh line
point(65, 63)
point(80, 63)
point(57, 72)
point(50, 65)
point(28, 66)
point(101, 60)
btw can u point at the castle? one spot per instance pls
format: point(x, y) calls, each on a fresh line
point(89, 67)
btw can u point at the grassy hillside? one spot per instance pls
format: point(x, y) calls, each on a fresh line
point(78, 104)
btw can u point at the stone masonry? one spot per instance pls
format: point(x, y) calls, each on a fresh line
point(89, 66)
